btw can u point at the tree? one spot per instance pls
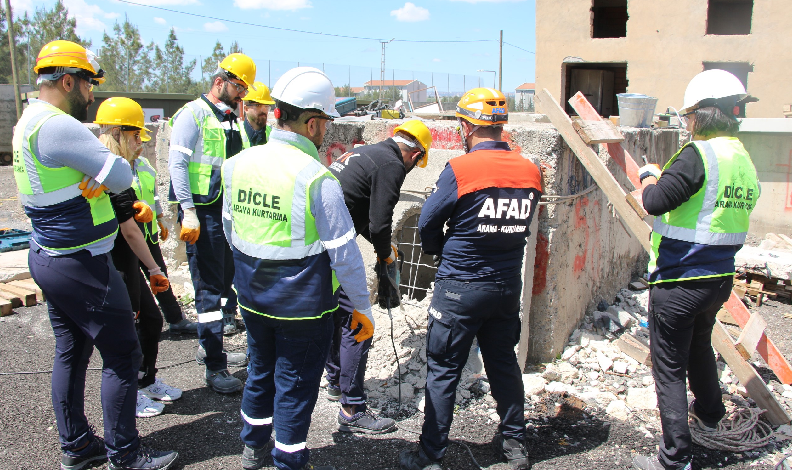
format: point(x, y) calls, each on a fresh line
point(170, 73)
point(49, 25)
point(209, 65)
point(25, 75)
point(345, 90)
point(125, 59)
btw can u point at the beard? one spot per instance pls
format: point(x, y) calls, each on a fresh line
point(226, 99)
point(78, 105)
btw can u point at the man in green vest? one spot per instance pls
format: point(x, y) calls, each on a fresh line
point(206, 133)
point(293, 242)
point(74, 228)
point(254, 129)
point(702, 200)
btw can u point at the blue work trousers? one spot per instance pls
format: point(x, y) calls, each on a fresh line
point(459, 312)
point(212, 270)
point(346, 364)
point(89, 306)
point(285, 368)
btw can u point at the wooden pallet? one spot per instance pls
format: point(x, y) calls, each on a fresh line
point(17, 294)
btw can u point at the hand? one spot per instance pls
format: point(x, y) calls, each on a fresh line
point(436, 260)
point(91, 188)
point(191, 228)
point(158, 281)
point(163, 230)
point(651, 169)
point(143, 212)
point(393, 256)
point(366, 323)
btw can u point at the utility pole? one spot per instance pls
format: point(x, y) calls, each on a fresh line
point(12, 47)
point(382, 68)
point(500, 63)
point(28, 54)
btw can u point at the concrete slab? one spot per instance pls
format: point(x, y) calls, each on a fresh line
point(774, 263)
point(14, 265)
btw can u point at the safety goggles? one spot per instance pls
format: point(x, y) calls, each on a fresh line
point(320, 116)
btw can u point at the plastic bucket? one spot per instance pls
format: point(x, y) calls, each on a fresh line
point(636, 110)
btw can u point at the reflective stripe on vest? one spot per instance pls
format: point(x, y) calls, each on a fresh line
point(145, 186)
point(243, 133)
point(268, 187)
point(718, 213)
point(208, 155)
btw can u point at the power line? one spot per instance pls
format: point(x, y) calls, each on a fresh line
point(512, 45)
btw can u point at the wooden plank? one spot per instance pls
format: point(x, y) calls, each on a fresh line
point(638, 285)
point(622, 158)
point(30, 284)
point(786, 239)
point(748, 376)
point(636, 205)
point(596, 168)
point(6, 308)
point(28, 297)
point(779, 242)
point(13, 298)
point(597, 132)
point(750, 336)
point(725, 317)
point(634, 348)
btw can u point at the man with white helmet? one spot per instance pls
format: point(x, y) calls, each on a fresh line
point(205, 133)
point(254, 128)
point(702, 200)
point(293, 242)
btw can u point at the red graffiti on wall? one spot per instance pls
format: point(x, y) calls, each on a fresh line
point(540, 264)
point(336, 149)
point(591, 249)
point(788, 198)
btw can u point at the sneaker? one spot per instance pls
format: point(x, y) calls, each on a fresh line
point(513, 451)
point(185, 326)
point(702, 425)
point(145, 459)
point(229, 324)
point(333, 392)
point(643, 462)
point(145, 407)
point(233, 359)
point(253, 458)
point(161, 391)
point(417, 460)
point(92, 454)
point(365, 422)
point(222, 382)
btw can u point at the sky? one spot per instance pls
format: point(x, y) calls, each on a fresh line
point(449, 66)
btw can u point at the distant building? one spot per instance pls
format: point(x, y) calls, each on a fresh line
point(524, 97)
point(403, 86)
point(606, 47)
point(356, 90)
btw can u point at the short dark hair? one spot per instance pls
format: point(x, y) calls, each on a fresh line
point(712, 120)
point(290, 113)
point(490, 132)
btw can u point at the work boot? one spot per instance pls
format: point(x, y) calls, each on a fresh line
point(333, 392)
point(233, 359)
point(308, 466)
point(222, 382)
point(513, 451)
point(92, 454)
point(229, 323)
point(700, 423)
point(185, 326)
point(253, 458)
point(643, 462)
point(365, 422)
point(144, 459)
point(417, 460)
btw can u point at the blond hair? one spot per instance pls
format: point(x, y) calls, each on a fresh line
point(121, 148)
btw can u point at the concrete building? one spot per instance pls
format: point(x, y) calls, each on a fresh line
point(524, 97)
point(402, 86)
point(605, 47)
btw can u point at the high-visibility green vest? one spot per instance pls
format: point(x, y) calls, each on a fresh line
point(246, 139)
point(268, 202)
point(62, 219)
point(144, 183)
point(208, 155)
point(718, 213)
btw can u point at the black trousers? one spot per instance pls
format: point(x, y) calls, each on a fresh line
point(346, 363)
point(167, 300)
point(459, 312)
point(681, 317)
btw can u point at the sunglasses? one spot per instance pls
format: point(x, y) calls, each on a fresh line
point(319, 116)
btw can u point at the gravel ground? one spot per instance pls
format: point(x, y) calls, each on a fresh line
point(204, 427)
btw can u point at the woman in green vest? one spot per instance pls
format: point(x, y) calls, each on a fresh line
point(701, 199)
point(121, 121)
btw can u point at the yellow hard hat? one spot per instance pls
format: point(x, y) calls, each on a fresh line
point(63, 54)
point(120, 111)
point(242, 66)
point(483, 107)
point(421, 133)
point(260, 94)
point(144, 135)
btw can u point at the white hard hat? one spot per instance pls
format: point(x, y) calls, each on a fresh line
point(712, 84)
point(306, 88)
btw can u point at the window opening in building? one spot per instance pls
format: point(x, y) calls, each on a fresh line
point(609, 18)
point(729, 16)
point(599, 83)
point(738, 69)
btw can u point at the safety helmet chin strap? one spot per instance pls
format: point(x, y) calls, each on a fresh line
point(460, 131)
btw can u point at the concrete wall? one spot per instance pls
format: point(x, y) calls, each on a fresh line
point(665, 46)
point(8, 117)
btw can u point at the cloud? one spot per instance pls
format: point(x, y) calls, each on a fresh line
point(19, 6)
point(215, 27)
point(284, 5)
point(436, 60)
point(159, 20)
point(89, 17)
point(411, 13)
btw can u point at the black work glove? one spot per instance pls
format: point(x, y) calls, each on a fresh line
point(388, 295)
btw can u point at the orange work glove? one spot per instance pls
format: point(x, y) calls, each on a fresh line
point(366, 323)
point(393, 256)
point(652, 169)
point(91, 188)
point(143, 212)
point(163, 230)
point(191, 228)
point(158, 281)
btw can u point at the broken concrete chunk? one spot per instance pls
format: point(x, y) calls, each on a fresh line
point(568, 372)
point(618, 409)
point(604, 362)
point(642, 398)
point(586, 338)
point(558, 387)
point(620, 367)
point(551, 373)
point(533, 384)
point(569, 352)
